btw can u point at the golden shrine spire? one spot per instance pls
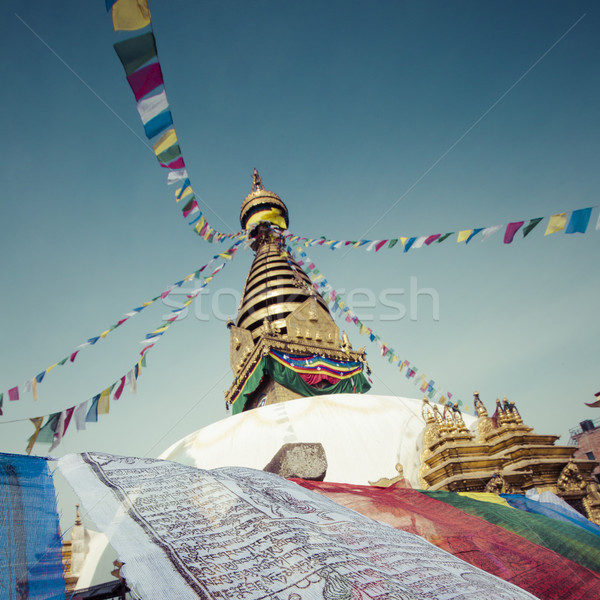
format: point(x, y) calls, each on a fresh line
point(284, 342)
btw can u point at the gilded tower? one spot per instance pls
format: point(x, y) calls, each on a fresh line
point(284, 342)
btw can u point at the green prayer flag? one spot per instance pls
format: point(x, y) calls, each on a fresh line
point(393, 243)
point(136, 51)
point(144, 360)
point(63, 361)
point(531, 225)
point(170, 154)
point(46, 434)
point(444, 237)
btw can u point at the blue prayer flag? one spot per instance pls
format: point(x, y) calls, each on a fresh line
point(579, 221)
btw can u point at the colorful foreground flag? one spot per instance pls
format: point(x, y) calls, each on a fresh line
point(485, 545)
point(30, 550)
point(239, 533)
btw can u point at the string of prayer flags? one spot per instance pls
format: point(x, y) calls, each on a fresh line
point(578, 222)
point(331, 296)
point(139, 57)
point(55, 427)
point(30, 385)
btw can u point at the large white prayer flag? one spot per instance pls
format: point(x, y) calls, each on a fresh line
point(236, 533)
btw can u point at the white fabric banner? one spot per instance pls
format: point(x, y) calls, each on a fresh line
point(488, 232)
point(236, 533)
point(151, 107)
point(176, 175)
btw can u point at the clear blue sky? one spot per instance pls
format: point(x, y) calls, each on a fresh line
point(345, 108)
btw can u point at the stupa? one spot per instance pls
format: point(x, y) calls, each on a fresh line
point(298, 381)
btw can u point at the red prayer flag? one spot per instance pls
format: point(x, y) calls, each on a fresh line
point(176, 164)
point(74, 355)
point(13, 393)
point(120, 388)
point(145, 80)
point(511, 229)
point(380, 244)
point(540, 571)
point(68, 415)
point(432, 238)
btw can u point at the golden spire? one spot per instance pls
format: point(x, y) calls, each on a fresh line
point(257, 181)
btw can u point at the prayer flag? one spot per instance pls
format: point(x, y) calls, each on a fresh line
point(189, 207)
point(120, 388)
point(531, 226)
point(488, 232)
point(144, 80)
point(473, 234)
point(464, 235)
point(557, 223)
point(168, 156)
point(420, 241)
point(104, 402)
point(40, 376)
point(511, 230)
point(175, 176)
point(393, 243)
point(80, 412)
point(409, 243)
point(46, 433)
point(444, 237)
point(151, 107)
point(380, 245)
point(178, 163)
point(34, 388)
point(136, 51)
point(158, 124)
point(13, 393)
point(72, 357)
point(579, 221)
point(166, 141)
point(432, 238)
point(130, 15)
point(37, 423)
point(92, 414)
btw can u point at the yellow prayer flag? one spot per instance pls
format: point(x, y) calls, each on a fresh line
point(486, 497)
point(51, 367)
point(34, 388)
point(105, 333)
point(161, 329)
point(464, 235)
point(147, 303)
point(129, 15)
point(226, 256)
point(186, 193)
point(165, 141)
point(556, 223)
point(200, 224)
point(403, 241)
point(37, 422)
point(104, 402)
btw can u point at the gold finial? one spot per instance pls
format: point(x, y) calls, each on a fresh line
point(77, 517)
point(256, 181)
